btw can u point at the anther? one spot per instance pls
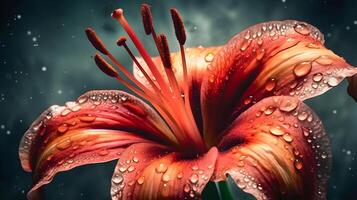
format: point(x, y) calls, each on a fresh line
point(117, 13)
point(96, 41)
point(103, 65)
point(147, 18)
point(121, 41)
point(179, 26)
point(164, 51)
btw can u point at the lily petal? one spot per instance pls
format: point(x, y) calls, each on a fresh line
point(147, 171)
point(198, 61)
point(273, 58)
point(96, 128)
point(277, 149)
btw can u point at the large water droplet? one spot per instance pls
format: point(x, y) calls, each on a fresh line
point(270, 85)
point(209, 57)
point(165, 178)
point(161, 168)
point(276, 131)
point(62, 128)
point(64, 145)
point(302, 116)
point(117, 179)
point(194, 178)
point(245, 44)
point(141, 180)
point(186, 188)
point(82, 99)
point(288, 105)
point(324, 60)
point(332, 81)
point(260, 54)
point(302, 69)
point(298, 164)
point(288, 138)
point(87, 118)
point(317, 77)
point(302, 29)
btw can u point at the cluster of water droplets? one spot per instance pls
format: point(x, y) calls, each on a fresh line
point(38, 132)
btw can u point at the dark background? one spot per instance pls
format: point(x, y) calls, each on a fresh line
point(45, 59)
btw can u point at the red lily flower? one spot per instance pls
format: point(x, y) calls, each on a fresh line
point(231, 110)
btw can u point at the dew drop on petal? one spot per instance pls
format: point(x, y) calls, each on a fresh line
point(64, 145)
point(194, 178)
point(165, 178)
point(298, 164)
point(288, 105)
point(62, 128)
point(287, 137)
point(323, 60)
point(141, 180)
point(276, 131)
point(117, 179)
point(270, 85)
point(317, 77)
point(209, 57)
point(161, 168)
point(303, 29)
point(87, 118)
point(332, 81)
point(302, 69)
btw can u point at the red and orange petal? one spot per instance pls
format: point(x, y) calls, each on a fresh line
point(95, 128)
point(147, 171)
point(277, 149)
point(273, 58)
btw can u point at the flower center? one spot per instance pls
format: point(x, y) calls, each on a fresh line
point(169, 98)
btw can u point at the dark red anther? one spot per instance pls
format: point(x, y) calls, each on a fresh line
point(121, 41)
point(147, 18)
point(103, 65)
point(96, 41)
point(179, 26)
point(164, 51)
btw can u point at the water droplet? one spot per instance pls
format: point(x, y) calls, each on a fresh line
point(117, 179)
point(186, 188)
point(260, 54)
point(131, 168)
point(209, 57)
point(62, 128)
point(179, 175)
point(287, 137)
point(276, 131)
point(165, 178)
point(135, 159)
point(65, 112)
point(64, 145)
point(270, 85)
point(269, 110)
point(303, 29)
point(194, 178)
point(123, 98)
point(298, 164)
point(288, 105)
point(302, 69)
point(317, 77)
point(332, 81)
point(103, 152)
point(194, 167)
point(122, 169)
point(161, 168)
point(141, 180)
point(34, 128)
point(248, 100)
point(245, 44)
point(323, 60)
point(87, 118)
point(302, 116)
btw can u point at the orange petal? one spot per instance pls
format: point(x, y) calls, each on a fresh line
point(277, 149)
point(352, 87)
point(273, 58)
point(93, 129)
point(198, 62)
point(147, 171)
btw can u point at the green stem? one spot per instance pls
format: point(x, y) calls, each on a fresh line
point(224, 191)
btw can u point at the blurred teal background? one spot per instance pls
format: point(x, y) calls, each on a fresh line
point(45, 59)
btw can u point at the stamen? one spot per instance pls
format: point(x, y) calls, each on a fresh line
point(96, 41)
point(105, 66)
point(179, 26)
point(122, 42)
point(147, 18)
point(119, 16)
point(164, 51)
